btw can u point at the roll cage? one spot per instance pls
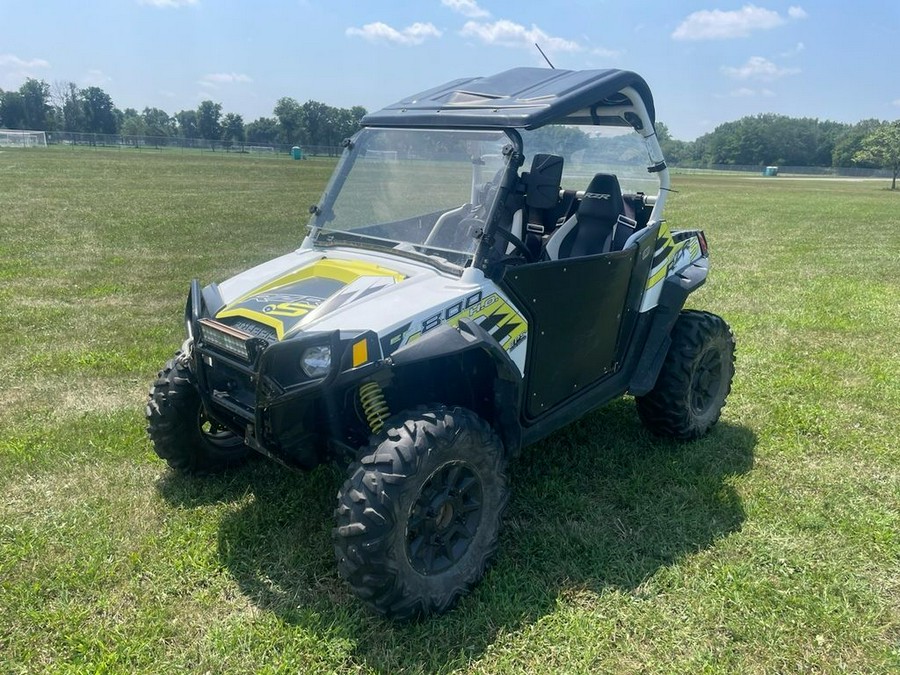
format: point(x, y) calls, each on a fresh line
point(519, 99)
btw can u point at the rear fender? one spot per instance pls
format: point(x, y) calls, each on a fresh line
point(675, 291)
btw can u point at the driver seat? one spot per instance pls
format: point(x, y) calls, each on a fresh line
point(590, 231)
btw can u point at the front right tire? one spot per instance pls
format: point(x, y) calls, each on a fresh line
point(181, 432)
point(695, 378)
point(418, 518)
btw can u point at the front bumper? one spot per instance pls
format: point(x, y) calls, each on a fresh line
point(260, 392)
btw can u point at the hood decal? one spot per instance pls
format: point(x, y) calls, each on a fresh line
point(285, 302)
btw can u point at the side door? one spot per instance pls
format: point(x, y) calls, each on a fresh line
point(581, 313)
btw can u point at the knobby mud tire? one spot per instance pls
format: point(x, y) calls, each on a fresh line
point(695, 379)
point(418, 518)
point(180, 432)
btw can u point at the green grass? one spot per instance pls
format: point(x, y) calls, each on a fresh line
point(772, 545)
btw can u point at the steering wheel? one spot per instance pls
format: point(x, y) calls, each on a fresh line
point(517, 244)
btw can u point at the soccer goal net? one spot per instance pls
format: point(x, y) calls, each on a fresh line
point(382, 155)
point(18, 138)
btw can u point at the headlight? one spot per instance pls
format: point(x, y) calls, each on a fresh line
point(316, 361)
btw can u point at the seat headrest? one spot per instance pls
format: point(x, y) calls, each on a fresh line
point(542, 183)
point(603, 198)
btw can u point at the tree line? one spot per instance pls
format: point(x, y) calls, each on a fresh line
point(756, 140)
point(63, 106)
point(770, 139)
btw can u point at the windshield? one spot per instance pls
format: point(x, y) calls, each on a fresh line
point(420, 190)
point(589, 150)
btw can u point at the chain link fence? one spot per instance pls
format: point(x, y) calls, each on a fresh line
point(158, 143)
point(825, 171)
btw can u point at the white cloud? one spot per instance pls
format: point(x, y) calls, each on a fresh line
point(215, 79)
point(468, 8)
point(716, 24)
point(506, 33)
point(414, 34)
point(15, 70)
point(95, 78)
point(606, 53)
point(896, 102)
point(162, 4)
point(13, 61)
point(746, 92)
point(758, 68)
point(793, 52)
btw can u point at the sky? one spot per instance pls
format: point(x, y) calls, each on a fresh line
point(706, 62)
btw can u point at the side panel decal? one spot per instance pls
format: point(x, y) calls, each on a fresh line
point(492, 313)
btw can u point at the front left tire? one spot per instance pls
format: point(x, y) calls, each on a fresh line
point(418, 518)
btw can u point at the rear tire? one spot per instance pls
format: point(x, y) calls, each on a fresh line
point(695, 379)
point(181, 432)
point(418, 518)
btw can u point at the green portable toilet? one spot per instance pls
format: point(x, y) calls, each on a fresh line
point(296, 152)
point(770, 171)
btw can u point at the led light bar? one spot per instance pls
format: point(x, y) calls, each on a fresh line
point(226, 338)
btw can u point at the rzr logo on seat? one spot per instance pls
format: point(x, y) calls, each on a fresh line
point(595, 195)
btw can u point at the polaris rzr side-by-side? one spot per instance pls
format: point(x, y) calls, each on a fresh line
point(488, 263)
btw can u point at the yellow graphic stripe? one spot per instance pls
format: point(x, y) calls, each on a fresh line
point(259, 317)
point(695, 248)
point(489, 306)
point(346, 271)
point(502, 308)
point(663, 240)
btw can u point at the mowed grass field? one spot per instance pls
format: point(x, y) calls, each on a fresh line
point(772, 545)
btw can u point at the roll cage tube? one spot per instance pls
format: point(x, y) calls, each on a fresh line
point(648, 133)
point(507, 184)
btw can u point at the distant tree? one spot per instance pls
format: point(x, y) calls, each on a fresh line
point(186, 121)
point(850, 143)
point(358, 112)
point(556, 139)
point(36, 102)
point(320, 121)
point(99, 115)
point(232, 129)
point(158, 123)
point(208, 121)
point(291, 119)
point(132, 123)
point(676, 152)
point(69, 102)
point(262, 131)
point(12, 110)
point(768, 139)
point(347, 122)
point(882, 148)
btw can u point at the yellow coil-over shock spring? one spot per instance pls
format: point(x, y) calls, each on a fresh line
point(374, 405)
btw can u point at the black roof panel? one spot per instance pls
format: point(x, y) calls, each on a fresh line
point(524, 98)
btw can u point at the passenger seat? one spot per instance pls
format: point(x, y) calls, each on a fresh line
point(592, 229)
